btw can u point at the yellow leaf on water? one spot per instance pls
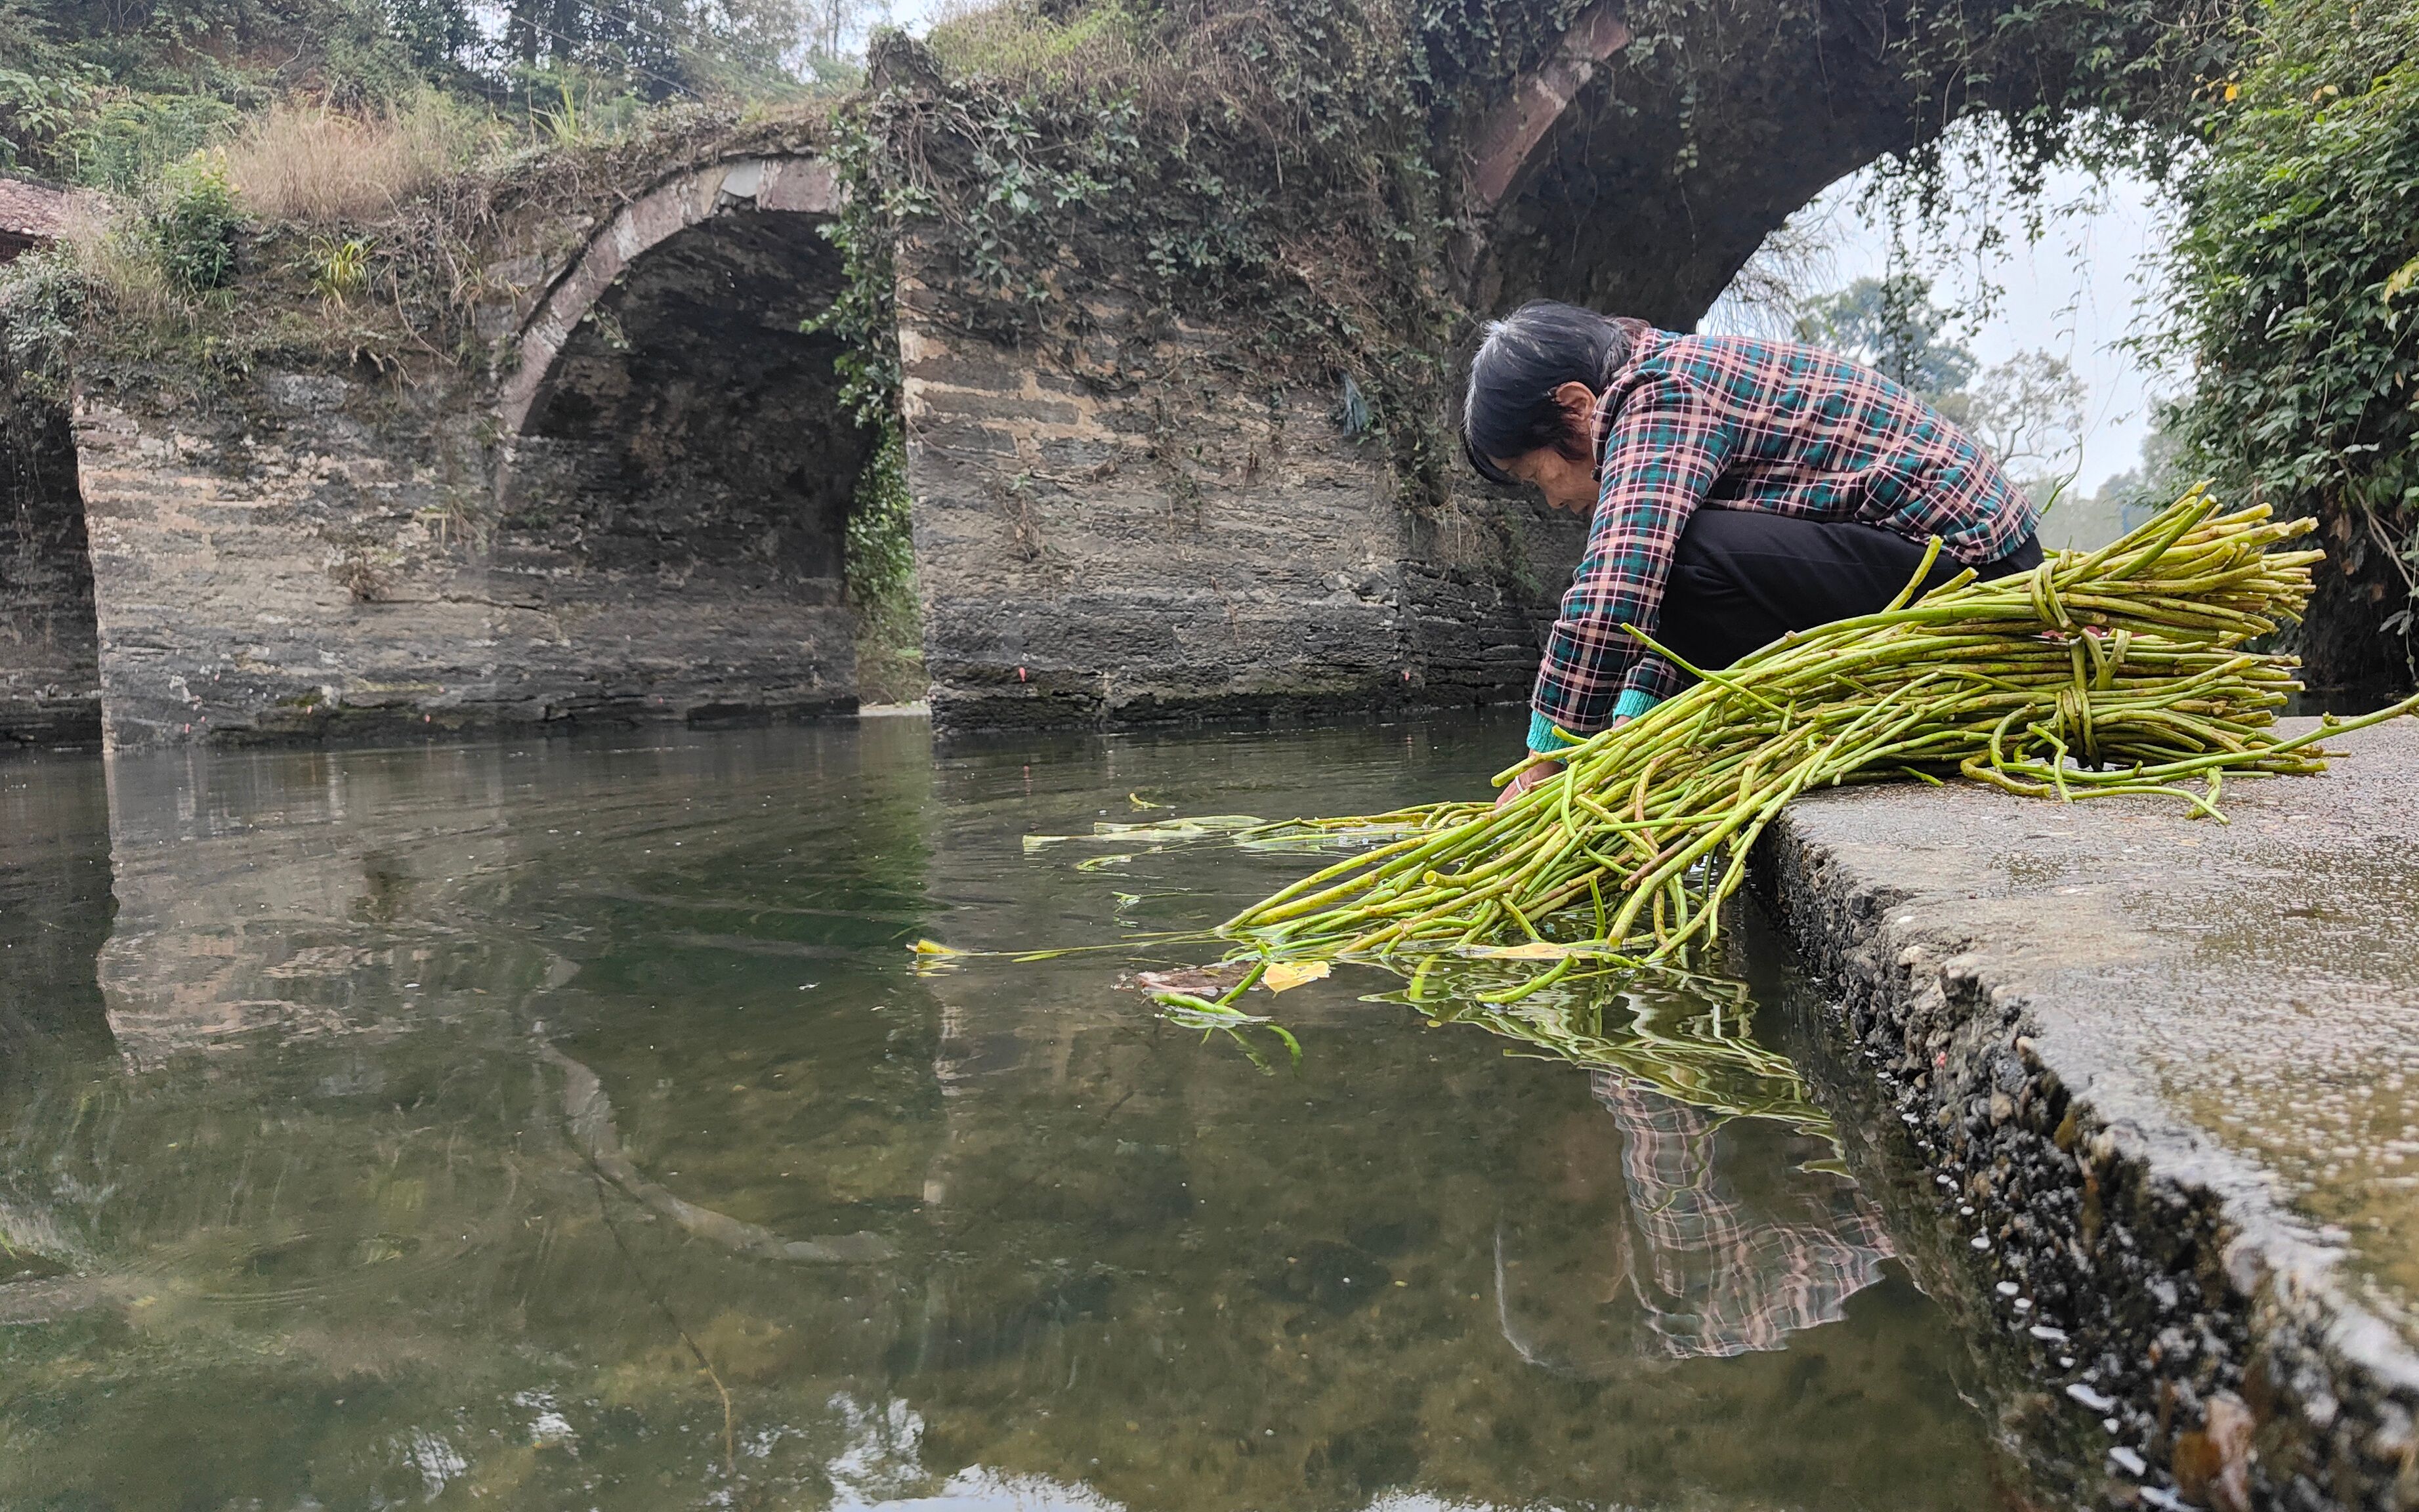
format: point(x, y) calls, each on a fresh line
point(1288, 974)
point(934, 947)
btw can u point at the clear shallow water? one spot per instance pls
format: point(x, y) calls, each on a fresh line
point(567, 1125)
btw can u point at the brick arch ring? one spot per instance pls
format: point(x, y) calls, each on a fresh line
point(801, 185)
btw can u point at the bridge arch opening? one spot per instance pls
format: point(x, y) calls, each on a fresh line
point(676, 440)
point(1614, 176)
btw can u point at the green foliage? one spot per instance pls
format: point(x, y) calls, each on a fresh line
point(880, 563)
point(2096, 83)
point(573, 107)
point(43, 296)
point(42, 95)
point(125, 141)
point(657, 50)
point(881, 553)
point(436, 36)
point(2294, 281)
point(862, 317)
point(193, 224)
point(881, 576)
point(339, 269)
point(108, 92)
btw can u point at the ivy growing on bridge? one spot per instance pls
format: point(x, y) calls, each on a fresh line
point(1287, 200)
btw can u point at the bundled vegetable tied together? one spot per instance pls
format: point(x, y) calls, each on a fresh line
point(2114, 672)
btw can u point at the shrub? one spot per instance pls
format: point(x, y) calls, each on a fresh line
point(130, 139)
point(338, 270)
point(42, 296)
point(193, 222)
point(573, 107)
point(2297, 300)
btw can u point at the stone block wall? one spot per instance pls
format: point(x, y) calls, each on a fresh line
point(322, 554)
point(50, 669)
point(1150, 528)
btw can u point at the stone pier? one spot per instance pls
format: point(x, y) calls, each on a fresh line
point(2162, 1076)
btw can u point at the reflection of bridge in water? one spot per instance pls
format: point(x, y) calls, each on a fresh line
point(455, 1105)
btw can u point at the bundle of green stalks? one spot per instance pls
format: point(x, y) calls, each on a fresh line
point(2120, 671)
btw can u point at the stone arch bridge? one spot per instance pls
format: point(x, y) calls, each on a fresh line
point(642, 515)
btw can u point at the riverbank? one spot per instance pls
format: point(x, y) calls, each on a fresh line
point(2165, 1075)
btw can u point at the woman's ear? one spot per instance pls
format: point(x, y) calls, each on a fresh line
point(1578, 403)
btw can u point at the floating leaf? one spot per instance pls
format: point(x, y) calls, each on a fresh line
point(1202, 981)
point(1157, 832)
point(1285, 975)
point(936, 948)
point(1526, 950)
point(1097, 862)
point(1293, 838)
point(1164, 830)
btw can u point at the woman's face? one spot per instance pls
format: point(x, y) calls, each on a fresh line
point(1564, 475)
point(1567, 481)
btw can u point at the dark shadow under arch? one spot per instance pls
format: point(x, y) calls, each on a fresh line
point(49, 658)
point(686, 445)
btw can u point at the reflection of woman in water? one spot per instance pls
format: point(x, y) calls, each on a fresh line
point(1691, 1269)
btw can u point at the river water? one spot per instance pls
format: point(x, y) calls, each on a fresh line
point(568, 1124)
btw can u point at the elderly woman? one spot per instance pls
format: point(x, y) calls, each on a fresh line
point(1740, 489)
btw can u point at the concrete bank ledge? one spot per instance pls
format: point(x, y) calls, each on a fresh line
point(2165, 1077)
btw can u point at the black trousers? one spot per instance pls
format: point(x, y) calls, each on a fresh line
point(1743, 579)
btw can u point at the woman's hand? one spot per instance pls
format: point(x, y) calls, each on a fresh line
point(1540, 770)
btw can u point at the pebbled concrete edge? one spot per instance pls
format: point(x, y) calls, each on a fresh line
point(2170, 1295)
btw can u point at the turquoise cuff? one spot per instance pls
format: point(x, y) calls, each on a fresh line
point(1633, 702)
point(1545, 737)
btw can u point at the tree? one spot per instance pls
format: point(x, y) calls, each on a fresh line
point(2028, 414)
point(1891, 325)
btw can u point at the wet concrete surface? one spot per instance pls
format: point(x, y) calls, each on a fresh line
point(2166, 1073)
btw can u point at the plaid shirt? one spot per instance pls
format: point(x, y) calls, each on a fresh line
point(1733, 423)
